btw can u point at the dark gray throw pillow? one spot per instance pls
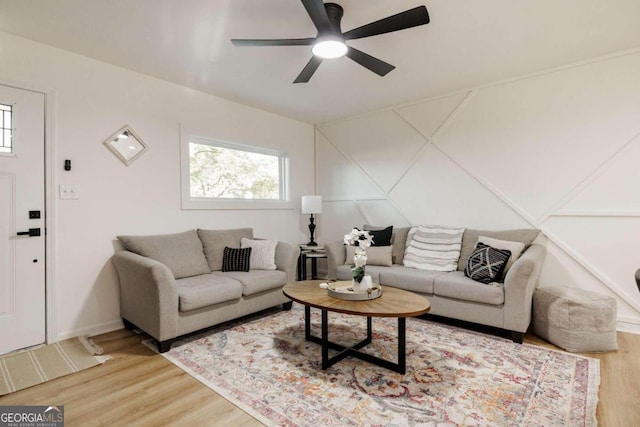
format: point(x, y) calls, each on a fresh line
point(181, 252)
point(235, 259)
point(485, 264)
point(381, 235)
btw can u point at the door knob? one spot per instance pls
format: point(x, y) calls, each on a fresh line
point(33, 232)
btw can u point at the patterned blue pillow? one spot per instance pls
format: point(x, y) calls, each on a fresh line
point(235, 259)
point(485, 264)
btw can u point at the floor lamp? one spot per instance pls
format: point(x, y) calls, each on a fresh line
point(311, 205)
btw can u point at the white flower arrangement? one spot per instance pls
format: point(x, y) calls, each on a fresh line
point(363, 240)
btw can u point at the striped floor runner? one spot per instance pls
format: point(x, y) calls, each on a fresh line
point(32, 367)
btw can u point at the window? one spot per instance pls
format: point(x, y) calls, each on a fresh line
point(226, 175)
point(6, 145)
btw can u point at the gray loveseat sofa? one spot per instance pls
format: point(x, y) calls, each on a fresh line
point(505, 305)
point(173, 284)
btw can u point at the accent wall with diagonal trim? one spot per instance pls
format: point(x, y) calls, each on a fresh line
point(557, 150)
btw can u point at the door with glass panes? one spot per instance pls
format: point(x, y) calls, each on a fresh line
point(22, 219)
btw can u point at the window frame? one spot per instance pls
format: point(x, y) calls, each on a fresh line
point(209, 203)
point(11, 129)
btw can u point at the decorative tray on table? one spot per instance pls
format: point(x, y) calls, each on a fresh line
point(344, 290)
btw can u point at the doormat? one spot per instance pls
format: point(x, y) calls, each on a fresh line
point(32, 367)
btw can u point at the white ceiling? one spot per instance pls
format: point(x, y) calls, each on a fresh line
point(467, 43)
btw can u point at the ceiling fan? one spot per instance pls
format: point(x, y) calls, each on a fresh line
point(330, 41)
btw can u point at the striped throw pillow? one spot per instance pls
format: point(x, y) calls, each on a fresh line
point(235, 259)
point(432, 247)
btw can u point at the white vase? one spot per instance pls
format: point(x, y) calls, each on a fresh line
point(365, 284)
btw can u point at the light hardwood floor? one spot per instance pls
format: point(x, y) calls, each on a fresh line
point(140, 388)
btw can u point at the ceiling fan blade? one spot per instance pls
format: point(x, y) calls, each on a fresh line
point(376, 65)
point(401, 21)
point(308, 70)
point(318, 14)
point(273, 42)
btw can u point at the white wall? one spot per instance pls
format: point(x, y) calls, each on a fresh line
point(556, 150)
point(91, 101)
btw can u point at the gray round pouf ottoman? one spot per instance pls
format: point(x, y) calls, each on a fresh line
point(575, 319)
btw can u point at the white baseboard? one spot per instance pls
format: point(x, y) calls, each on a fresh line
point(624, 324)
point(628, 325)
point(90, 331)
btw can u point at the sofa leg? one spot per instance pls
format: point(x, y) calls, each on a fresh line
point(164, 346)
point(128, 325)
point(517, 337)
point(287, 306)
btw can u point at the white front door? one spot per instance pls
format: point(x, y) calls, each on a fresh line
point(22, 203)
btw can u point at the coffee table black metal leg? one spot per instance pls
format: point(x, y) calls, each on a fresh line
point(325, 339)
point(402, 345)
point(307, 323)
point(343, 351)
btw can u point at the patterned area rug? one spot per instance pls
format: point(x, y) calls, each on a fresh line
point(454, 377)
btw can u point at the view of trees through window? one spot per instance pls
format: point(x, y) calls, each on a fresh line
point(221, 172)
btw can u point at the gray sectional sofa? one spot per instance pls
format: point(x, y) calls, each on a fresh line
point(173, 284)
point(505, 305)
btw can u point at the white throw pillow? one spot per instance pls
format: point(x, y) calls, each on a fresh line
point(263, 253)
point(433, 247)
point(516, 249)
point(376, 255)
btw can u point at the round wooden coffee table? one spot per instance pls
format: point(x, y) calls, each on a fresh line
point(393, 303)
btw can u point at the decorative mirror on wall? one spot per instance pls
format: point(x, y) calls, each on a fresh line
point(126, 144)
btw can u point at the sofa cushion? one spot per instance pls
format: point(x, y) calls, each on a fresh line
point(256, 281)
point(214, 242)
point(399, 242)
point(206, 289)
point(343, 272)
point(263, 253)
point(236, 259)
point(470, 238)
point(486, 264)
point(182, 253)
point(409, 279)
point(456, 285)
point(376, 255)
point(432, 247)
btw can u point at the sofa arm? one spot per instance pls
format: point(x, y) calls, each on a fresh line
point(336, 255)
point(519, 285)
point(287, 260)
point(148, 294)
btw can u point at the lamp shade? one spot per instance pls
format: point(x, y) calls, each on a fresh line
point(311, 204)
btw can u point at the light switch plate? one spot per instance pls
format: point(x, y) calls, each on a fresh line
point(69, 192)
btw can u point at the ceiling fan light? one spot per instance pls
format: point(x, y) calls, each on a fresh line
point(329, 48)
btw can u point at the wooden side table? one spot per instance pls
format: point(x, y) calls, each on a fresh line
point(309, 253)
